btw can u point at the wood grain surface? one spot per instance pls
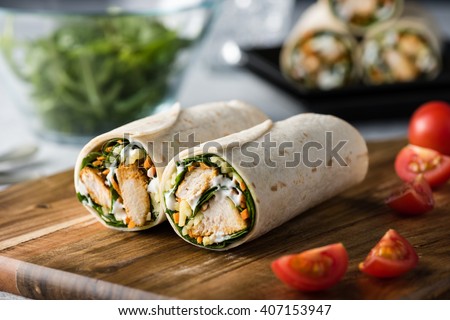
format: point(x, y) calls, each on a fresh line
point(52, 248)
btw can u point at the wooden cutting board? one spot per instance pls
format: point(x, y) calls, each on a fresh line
point(50, 247)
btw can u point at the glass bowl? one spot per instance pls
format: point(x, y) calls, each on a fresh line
point(80, 68)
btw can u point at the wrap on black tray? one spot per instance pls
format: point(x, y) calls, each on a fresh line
point(117, 174)
point(226, 192)
point(319, 53)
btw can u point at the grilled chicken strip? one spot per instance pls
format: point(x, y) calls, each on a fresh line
point(196, 182)
point(95, 186)
point(133, 187)
point(220, 218)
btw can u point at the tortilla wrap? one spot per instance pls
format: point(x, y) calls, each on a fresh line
point(404, 50)
point(319, 52)
point(226, 192)
point(117, 174)
point(362, 15)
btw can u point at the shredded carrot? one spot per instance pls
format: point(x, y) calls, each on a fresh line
point(244, 214)
point(176, 217)
point(199, 240)
point(116, 186)
point(242, 185)
point(105, 172)
point(190, 234)
point(120, 141)
point(203, 166)
point(109, 149)
point(152, 171)
point(97, 163)
point(147, 163)
point(101, 158)
point(131, 224)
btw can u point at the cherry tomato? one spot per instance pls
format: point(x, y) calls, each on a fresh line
point(430, 127)
point(391, 257)
point(313, 270)
point(413, 161)
point(413, 198)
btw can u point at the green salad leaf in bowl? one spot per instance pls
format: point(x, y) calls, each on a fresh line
point(90, 73)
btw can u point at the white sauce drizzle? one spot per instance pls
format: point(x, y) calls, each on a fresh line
point(153, 190)
point(110, 176)
point(328, 80)
point(325, 44)
point(153, 186)
point(218, 237)
point(390, 39)
point(193, 202)
point(133, 155)
point(180, 169)
point(228, 188)
point(170, 200)
point(371, 52)
point(81, 188)
point(118, 210)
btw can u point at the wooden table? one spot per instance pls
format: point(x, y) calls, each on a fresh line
point(50, 247)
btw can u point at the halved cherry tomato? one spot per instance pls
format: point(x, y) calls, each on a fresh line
point(413, 161)
point(430, 127)
point(313, 270)
point(391, 257)
point(413, 198)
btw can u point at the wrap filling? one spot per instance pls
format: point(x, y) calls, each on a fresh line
point(119, 182)
point(364, 13)
point(322, 60)
point(209, 202)
point(399, 56)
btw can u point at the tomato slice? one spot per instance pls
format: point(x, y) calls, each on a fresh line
point(413, 161)
point(313, 270)
point(430, 127)
point(391, 257)
point(414, 198)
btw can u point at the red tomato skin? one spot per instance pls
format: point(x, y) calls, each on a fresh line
point(384, 269)
point(413, 199)
point(429, 127)
point(380, 267)
point(435, 177)
point(337, 252)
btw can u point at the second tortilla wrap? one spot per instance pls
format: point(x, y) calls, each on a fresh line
point(403, 50)
point(362, 15)
point(226, 192)
point(319, 52)
point(117, 174)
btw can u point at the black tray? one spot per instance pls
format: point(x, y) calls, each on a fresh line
point(359, 101)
